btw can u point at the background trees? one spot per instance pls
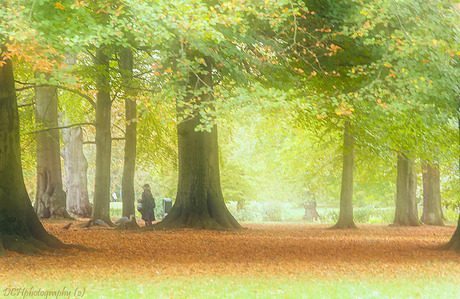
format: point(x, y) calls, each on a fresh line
point(292, 86)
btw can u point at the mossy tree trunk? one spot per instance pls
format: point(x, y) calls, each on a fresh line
point(50, 201)
point(432, 209)
point(199, 202)
point(346, 193)
point(20, 228)
point(129, 166)
point(76, 167)
point(101, 201)
point(406, 213)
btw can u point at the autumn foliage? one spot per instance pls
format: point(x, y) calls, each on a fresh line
point(272, 249)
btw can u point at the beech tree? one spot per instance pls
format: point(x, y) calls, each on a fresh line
point(20, 228)
point(129, 165)
point(406, 212)
point(432, 209)
point(50, 201)
point(76, 167)
point(226, 51)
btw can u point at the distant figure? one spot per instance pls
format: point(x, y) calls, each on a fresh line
point(114, 196)
point(146, 205)
point(309, 203)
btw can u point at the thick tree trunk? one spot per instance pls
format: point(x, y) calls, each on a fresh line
point(127, 181)
point(432, 209)
point(346, 194)
point(199, 201)
point(50, 201)
point(20, 228)
point(76, 168)
point(101, 201)
point(406, 213)
point(454, 243)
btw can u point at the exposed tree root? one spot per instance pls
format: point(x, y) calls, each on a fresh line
point(16, 236)
point(2, 249)
point(344, 225)
point(181, 218)
point(454, 243)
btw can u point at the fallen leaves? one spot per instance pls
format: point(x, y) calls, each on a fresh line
point(275, 249)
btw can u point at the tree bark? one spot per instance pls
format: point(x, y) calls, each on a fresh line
point(454, 243)
point(101, 201)
point(406, 213)
point(129, 165)
point(346, 194)
point(76, 168)
point(199, 202)
point(20, 229)
point(432, 209)
point(50, 201)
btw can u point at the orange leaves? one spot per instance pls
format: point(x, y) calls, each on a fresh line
point(42, 58)
point(278, 249)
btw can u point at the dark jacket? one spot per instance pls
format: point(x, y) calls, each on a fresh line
point(148, 206)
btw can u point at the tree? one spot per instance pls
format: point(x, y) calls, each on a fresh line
point(101, 208)
point(432, 209)
point(346, 194)
point(50, 201)
point(20, 228)
point(454, 243)
point(76, 167)
point(199, 201)
point(406, 212)
point(127, 185)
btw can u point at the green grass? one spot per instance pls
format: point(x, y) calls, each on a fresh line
point(295, 286)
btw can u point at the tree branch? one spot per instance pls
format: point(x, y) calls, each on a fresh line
point(86, 97)
point(62, 127)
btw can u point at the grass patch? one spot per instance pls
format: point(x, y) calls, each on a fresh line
point(298, 286)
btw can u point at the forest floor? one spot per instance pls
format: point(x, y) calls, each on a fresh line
point(262, 260)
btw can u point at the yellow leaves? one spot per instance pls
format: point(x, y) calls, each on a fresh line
point(60, 6)
point(363, 12)
point(387, 64)
point(435, 42)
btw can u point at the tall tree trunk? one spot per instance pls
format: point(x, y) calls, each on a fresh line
point(76, 168)
point(101, 201)
point(199, 201)
point(432, 209)
point(346, 194)
point(20, 228)
point(454, 243)
point(406, 213)
point(129, 167)
point(50, 201)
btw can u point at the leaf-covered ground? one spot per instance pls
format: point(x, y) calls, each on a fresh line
point(262, 250)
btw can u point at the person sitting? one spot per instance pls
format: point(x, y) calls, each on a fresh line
point(146, 205)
